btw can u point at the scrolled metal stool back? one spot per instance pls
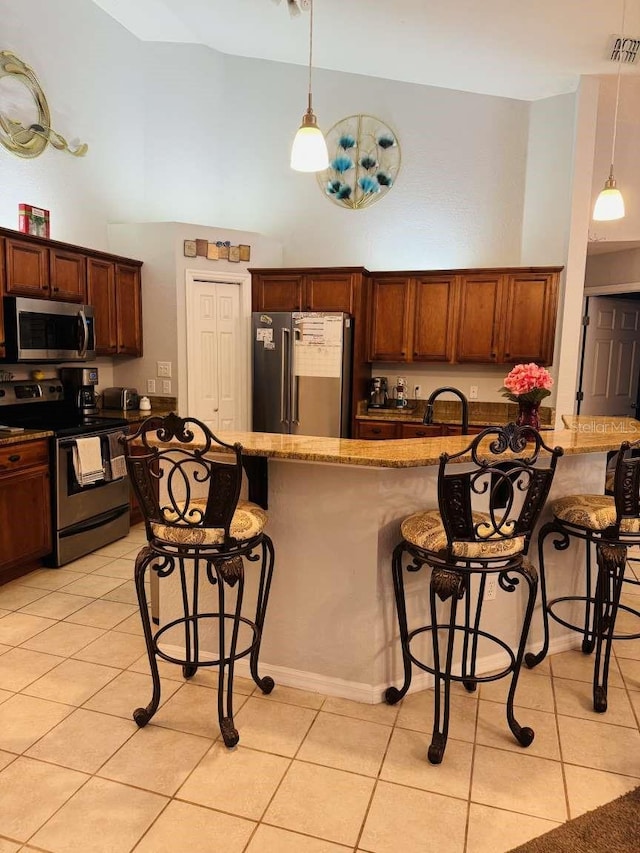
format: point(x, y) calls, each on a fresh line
point(175, 451)
point(626, 487)
point(508, 478)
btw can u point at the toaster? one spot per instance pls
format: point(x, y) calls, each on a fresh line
point(120, 398)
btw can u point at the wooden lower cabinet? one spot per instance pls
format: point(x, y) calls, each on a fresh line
point(387, 429)
point(25, 506)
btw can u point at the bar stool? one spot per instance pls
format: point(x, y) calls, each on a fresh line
point(200, 539)
point(611, 522)
point(487, 510)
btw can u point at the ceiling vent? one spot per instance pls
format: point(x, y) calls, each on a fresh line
point(624, 49)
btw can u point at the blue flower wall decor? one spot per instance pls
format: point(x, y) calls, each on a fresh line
point(364, 161)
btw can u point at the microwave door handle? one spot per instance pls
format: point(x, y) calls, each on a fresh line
point(85, 333)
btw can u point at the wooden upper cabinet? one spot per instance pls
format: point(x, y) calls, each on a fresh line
point(27, 266)
point(478, 318)
point(390, 314)
point(529, 317)
point(277, 292)
point(128, 309)
point(101, 293)
point(68, 275)
point(434, 304)
point(329, 292)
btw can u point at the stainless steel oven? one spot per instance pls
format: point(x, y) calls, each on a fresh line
point(86, 517)
point(41, 330)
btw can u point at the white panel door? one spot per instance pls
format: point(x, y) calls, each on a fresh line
point(213, 357)
point(610, 377)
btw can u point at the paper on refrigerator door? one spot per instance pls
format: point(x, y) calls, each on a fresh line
point(318, 346)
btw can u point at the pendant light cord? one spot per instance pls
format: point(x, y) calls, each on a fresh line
point(310, 48)
point(615, 115)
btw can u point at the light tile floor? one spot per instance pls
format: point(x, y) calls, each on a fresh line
point(312, 774)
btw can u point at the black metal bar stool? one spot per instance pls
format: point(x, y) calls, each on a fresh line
point(488, 503)
point(611, 523)
point(202, 538)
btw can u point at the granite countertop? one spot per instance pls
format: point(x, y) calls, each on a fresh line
point(7, 438)
point(405, 453)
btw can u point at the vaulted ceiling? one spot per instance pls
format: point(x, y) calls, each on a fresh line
point(526, 49)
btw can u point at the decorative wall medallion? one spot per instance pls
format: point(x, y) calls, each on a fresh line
point(29, 140)
point(364, 161)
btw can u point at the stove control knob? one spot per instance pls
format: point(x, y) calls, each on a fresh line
point(52, 389)
point(2, 393)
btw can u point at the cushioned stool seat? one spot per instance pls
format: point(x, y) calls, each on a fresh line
point(592, 512)
point(248, 521)
point(426, 530)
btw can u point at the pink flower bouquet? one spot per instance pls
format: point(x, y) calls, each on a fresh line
point(527, 383)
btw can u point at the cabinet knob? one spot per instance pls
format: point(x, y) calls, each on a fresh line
point(376, 431)
point(15, 457)
point(507, 355)
point(56, 289)
point(493, 355)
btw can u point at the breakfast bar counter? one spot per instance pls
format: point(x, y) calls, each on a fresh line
point(335, 508)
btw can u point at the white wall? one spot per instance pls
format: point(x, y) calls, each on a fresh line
point(184, 132)
point(617, 268)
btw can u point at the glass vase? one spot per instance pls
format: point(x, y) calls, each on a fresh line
point(528, 414)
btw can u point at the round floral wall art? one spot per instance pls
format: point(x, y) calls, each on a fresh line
point(364, 161)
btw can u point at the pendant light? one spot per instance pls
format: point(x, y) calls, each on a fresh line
point(309, 151)
point(610, 204)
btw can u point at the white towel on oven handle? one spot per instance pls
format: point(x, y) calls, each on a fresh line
point(87, 460)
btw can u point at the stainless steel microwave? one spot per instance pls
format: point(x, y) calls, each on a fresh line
point(41, 330)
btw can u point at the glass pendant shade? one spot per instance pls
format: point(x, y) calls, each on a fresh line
point(309, 150)
point(609, 204)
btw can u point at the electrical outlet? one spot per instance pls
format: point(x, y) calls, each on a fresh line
point(151, 386)
point(416, 392)
point(473, 392)
point(166, 386)
point(164, 369)
point(491, 587)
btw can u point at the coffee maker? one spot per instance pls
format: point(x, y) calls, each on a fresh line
point(80, 389)
point(378, 392)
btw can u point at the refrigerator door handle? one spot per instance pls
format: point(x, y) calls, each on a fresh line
point(283, 375)
point(295, 384)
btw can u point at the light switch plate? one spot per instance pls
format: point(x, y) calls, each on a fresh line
point(164, 369)
point(166, 386)
point(151, 386)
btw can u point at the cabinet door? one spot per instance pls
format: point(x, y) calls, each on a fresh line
point(529, 318)
point(421, 431)
point(378, 429)
point(277, 292)
point(329, 292)
point(25, 495)
point(479, 312)
point(27, 269)
point(434, 318)
point(128, 310)
point(2, 290)
point(101, 293)
point(68, 276)
point(390, 306)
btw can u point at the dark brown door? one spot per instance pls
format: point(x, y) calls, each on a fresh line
point(434, 319)
point(480, 302)
point(2, 290)
point(277, 292)
point(27, 269)
point(68, 276)
point(530, 318)
point(101, 293)
point(390, 306)
point(329, 292)
point(128, 310)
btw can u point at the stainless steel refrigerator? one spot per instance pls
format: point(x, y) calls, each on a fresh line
point(302, 372)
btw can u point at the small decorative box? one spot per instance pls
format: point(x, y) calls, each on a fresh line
point(33, 220)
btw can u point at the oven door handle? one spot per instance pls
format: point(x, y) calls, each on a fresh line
point(96, 521)
point(85, 333)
